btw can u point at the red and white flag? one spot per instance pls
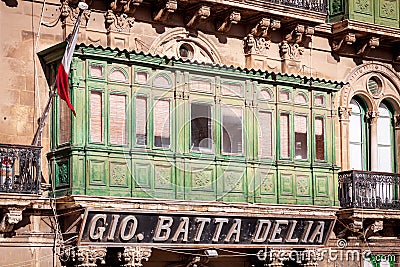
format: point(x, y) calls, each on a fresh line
point(63, 70)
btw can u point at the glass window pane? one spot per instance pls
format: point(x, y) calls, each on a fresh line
point(356, 159)
point(232, 130)
point(300, 137)
point(96, 117)
point(162, 123)
point(117, 119)
point(201, 127)
point(385, 158)
point(355, 131)
point(141, 120)
point(384, 131)
point(319, 139)
point(265, 134)
point(284, 135)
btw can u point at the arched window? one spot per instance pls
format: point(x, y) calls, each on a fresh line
point(357, 137)
point(385, 139)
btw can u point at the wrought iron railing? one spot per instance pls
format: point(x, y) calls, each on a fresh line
point(20, 169)
point(370, 190)
point(315, 5)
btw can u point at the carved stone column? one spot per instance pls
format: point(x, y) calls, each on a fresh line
point(135, 255)
point(344, 119)
point(372, 117)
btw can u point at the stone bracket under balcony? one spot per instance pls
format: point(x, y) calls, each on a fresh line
point(367, 224)
point(359, 39)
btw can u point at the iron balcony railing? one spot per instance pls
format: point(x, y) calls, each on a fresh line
point(20, 169)
point(369, 190)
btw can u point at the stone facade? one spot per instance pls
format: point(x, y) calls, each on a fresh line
point(251, 36)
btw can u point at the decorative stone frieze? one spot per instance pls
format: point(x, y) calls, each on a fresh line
point(164, 10)
point(290, 51)
point(256, 45)
point(232, 18)
point(82, 256)
point(200, 15)
point(119, 22)
point(11, 216)
point(347, 39)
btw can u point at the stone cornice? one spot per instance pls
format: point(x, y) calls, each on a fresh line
point(205, 207)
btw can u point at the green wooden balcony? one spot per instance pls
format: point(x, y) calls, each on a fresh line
point(380, 12)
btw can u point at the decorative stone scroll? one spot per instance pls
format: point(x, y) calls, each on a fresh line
point(232, 18)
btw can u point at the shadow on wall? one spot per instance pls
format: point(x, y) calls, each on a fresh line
point(11, 3)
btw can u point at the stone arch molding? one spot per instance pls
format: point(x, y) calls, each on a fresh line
point(168, 45)
point(356, 85)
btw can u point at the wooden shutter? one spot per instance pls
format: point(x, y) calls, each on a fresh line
point(96, 117)
point(141, 120)
point(64, 123)
point(162, 122)
point(117, 119)
point(265, 134)
point(319, 139)
point(284, 135)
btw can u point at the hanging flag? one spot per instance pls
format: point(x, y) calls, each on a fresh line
point(63, 70)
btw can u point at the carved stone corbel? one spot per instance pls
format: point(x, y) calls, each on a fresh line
point(344, 113)
point(201, 14)
point(11, 217)
point(226, 24)
point(126, 6)
point(165, 10)
point(370, 43)
point(290, 51)
point(264, 26)
point(373, 228)
point(299, 34)
point(348, 39)
point(135, 255)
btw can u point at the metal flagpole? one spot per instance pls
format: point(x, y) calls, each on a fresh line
point(37, 139)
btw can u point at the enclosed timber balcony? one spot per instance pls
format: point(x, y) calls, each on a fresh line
point(19, 169)
point(369, 190)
